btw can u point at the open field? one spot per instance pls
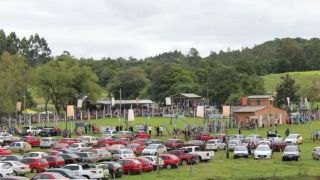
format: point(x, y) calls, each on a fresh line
point(222, 168)
point(302, 78)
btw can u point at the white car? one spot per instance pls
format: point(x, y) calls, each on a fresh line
point(254, 137)
point(236, 136)
point(48, 142)
point(215, 144)
point(88, 139)
point(240, 151)
point(262, 152)
point(5, 169)
point(123, 153)
point(109, 133)
point(35, 155)
point(78, 147)
point(294, 139)
point(19, 168)
point(154, 149)
point(153, 160)
point(273, 137)
point(232, 143)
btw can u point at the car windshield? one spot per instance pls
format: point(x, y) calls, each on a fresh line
point(263, 148)
point(233, 142)
point(18, 163)
point(291, 149)
point(83, 154)
point(136, 161)
point(127, 152)
point(211, 142)
point(240, 148)
point(117, 165)
point(152, 146)
point(45, 139)
point(74, 145)
point(292, 136)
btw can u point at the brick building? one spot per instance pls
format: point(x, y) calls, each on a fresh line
point(259, 110)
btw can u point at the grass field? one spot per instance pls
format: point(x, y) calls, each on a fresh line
point(302, 78)
point(222, 168)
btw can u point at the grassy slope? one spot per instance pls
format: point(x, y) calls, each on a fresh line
point(302, 78)
point(222, 168)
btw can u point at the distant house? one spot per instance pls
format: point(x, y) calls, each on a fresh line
point(186, 100)
point(259, 110)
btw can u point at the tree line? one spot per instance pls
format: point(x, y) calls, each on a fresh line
point(28, 70)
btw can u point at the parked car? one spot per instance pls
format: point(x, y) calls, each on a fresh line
point(108, 133)
point(78, 147)
point(53, 152)
point(5, 169)
point(154, 141)
point(115, 147)
point(294, 139)
point(131, 166)
point(291, 152)
point(48, 132)
point(215, 144)
point(141, 141)
point(48, 142)
point(91, 140)
point(4, 152)
point(199, 143)
point(59, 146)
point(278, 146)
point(141, 134)
point(65, 172)
point(103, 155)
point(14, 178)
point(274, 137)
point(174, 144)
point(68, 141)
point(185, 158)
point(20, 147)
point(232, 143)
point(264, 142)
point(153, 160)
point(102, 146)
point(55, 161)
point(123, 153)
point(236, 136)
point(36, 164)
point(85, 171)
point(35, 155)
point(13, 157)
point(115, 169)
point(170, 161)
point(27, 130)
point(7, 141)
point(104, 167)
point(203, 136)
point(18, 167)
point(202, 155)
point(316, 153)
point(88, 157)
point(254, 137)
point(71, 158)
point(124, 134)
point(32, 140)
point(146, 164)
point(263, 152)
point(240, 151)
point(48, 175)
point(136, 148)
point(154, 149)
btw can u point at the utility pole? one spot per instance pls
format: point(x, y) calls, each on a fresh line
point(120, 103)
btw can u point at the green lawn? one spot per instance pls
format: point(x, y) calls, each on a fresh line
point(222, 168)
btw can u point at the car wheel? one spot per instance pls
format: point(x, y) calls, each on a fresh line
point(20, 151)
point(169, 166)
point(85, 177)
point(200, 159)
point(34, 170)
point(15, 173)
point(131, 172)
point(184, 162)
point(51, 146)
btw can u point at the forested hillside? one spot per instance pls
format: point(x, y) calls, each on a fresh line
point(223, 77)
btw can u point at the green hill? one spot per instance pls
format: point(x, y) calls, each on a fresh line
point(301, 78)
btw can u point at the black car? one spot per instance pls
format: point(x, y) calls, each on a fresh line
point(65, 172)
point(71, 158)
point(115, 169)
point(48, 132)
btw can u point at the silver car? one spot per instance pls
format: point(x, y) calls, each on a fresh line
point(316, 153)
point(48, 142)
point(19, 168)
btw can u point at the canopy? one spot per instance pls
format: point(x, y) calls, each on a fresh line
point(29, 111)
point(44, 112)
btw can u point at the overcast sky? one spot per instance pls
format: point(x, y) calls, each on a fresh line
point(141, 28)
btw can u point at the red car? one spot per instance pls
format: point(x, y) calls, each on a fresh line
point(184, 157)
point(174, 144)
point(141, 134)
point(170, 161)
point(36, 164)
point(203, 136)
point(5, 152)
point(55, 161)
point(53, 152)
point(48, 175)
point(278, 146)
point(107, 140)
point(68, 141)
point(199, 143)
point(141, 141)
point(32, 140)
point(131, 166)
point(102, 146)
point(146, 164)
point(136, 148)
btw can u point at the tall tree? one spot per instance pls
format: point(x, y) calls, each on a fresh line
point(286, 88)
point(64, 81)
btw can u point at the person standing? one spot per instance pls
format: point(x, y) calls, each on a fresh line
point(287, 132)
point(149, 130)
point(161, 130)
point(157, 129)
